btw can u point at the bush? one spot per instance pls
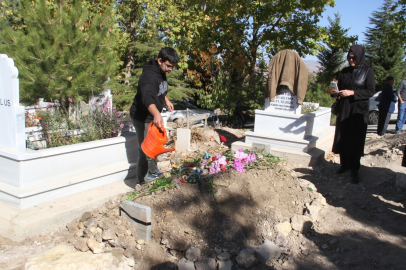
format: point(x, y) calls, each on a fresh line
point(319, 93)
point(59, 128)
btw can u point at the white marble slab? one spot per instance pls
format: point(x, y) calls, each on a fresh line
point(12, 120)
point(291, 131)
point(33, 177)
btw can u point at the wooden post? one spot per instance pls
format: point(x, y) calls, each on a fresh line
point(187, 118)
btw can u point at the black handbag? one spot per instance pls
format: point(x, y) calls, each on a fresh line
point(335, 107)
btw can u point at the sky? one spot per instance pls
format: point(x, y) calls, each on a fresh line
point(355, 15)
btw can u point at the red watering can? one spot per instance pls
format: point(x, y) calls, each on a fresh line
point(153, 144)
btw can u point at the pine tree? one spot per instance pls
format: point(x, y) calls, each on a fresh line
point(64, 50)
point(332, 59)
point(384, 53)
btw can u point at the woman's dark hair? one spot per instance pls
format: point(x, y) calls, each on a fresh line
point(169, 54)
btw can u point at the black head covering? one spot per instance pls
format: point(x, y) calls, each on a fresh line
point(359, 51)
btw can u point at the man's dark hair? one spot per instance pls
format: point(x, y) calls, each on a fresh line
point(169, 54)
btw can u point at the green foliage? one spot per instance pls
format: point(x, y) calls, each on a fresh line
point(63, 51)
point(399, 14)
point(99, 124)
point(123, 102)
point(58, 128)
point(319, 93)
point(241, 32)
point(55, 126)
point(161, 183)
point(385, 53)
point(332, 58)
point(9, 13)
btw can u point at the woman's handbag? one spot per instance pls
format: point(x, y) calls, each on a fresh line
point(335, 107)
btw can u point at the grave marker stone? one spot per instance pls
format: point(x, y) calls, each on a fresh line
point(103, 99)
point(12, 119)
point(285, 102)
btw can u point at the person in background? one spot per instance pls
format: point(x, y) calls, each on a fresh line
point(356, 85)
point(401, 94)
point(386, 106)
point(148, 104)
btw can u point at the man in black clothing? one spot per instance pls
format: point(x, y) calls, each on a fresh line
point(148, 104)
point(386, 105)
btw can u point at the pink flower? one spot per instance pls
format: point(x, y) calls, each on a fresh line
point(260, 156)
point(215, 167)
point(70, 100)
point(222, 161)
point(119, 113)
point(238, 165)
point(240, 154)
point(251, 157)
point(122, 125)
point(114, 132)
point(137, 187)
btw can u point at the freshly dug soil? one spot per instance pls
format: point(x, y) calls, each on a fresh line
point(355, 226)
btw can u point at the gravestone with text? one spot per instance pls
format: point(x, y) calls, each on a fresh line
point(285, 102)
point(12, 120)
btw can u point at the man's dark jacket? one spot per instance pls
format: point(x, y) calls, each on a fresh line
point(388, 99)
point(152, 88)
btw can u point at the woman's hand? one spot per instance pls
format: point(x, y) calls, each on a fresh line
point(334, 91)
point(346, 93)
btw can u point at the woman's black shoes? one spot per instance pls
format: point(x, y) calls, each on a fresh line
point(355, 178)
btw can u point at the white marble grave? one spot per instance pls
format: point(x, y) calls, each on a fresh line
point(29, 178)
point(282, 126)
point(12, 120)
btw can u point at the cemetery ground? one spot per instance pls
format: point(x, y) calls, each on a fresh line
point(315, 218)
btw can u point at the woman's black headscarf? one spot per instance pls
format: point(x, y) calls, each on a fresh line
point(359, 51)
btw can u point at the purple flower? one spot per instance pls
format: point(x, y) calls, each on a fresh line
point(215, 167)
point(35, 107)
point(70, 100)
point(260, 156)
point(217, 156)
point(240, 154)
point(203, 163)
point(238, 165)
point(251, 157)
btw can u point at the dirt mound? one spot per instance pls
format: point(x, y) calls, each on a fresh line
point(351, 226)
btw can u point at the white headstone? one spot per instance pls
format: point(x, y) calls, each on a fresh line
point(103, 99)
point(12, 118)
point(285, 102)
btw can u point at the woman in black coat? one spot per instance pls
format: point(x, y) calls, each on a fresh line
point(355, 86)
